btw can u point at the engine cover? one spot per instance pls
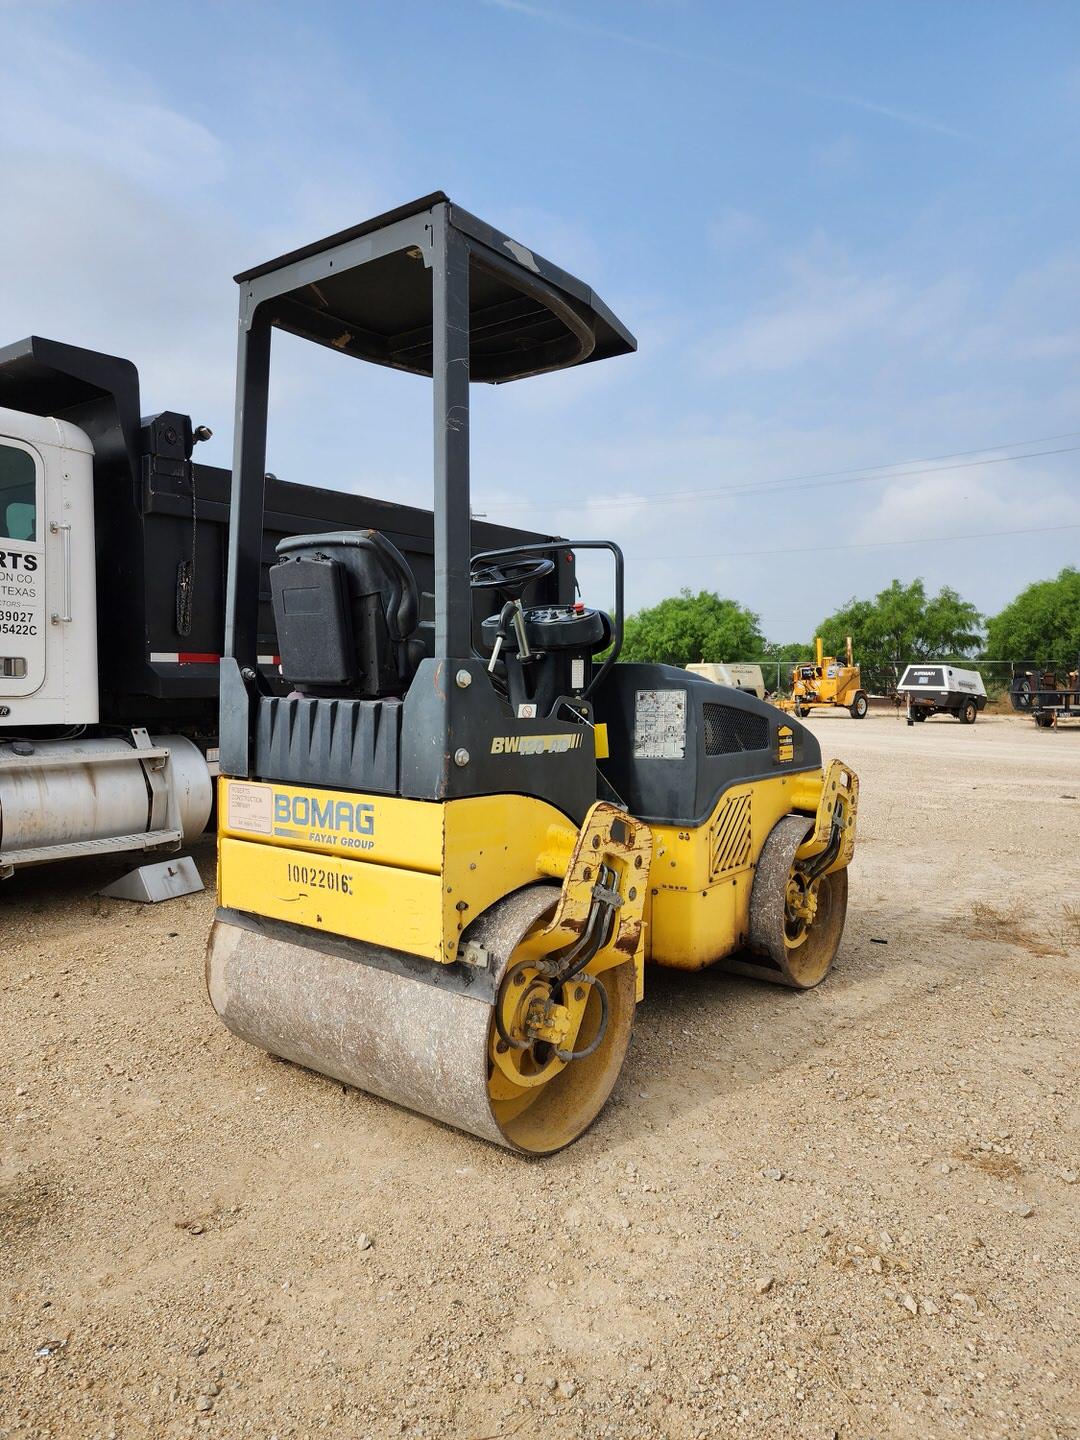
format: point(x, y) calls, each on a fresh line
point(677, 741)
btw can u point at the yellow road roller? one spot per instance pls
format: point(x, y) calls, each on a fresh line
point(456, 831)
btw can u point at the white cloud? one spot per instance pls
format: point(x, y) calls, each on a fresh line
point(83, 114)
point(126, 220)
point(968, 501)
point(824, 305)
point(773, 79)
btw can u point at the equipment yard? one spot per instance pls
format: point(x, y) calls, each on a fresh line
point(846, 1212)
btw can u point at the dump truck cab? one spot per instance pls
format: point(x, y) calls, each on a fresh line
point(445, 858)
point(48, 602)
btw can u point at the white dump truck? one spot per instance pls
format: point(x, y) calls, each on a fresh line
point(942, 689)
point(112, 581)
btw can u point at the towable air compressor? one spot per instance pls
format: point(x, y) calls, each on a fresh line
point(448, 852)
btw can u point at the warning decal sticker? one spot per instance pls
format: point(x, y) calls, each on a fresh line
point(660, 725)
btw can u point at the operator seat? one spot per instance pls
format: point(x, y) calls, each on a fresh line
point(346, 610)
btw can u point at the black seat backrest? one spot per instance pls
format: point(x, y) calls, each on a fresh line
point(346, 611)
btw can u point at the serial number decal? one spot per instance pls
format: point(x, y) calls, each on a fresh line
point(318, 878)
point(8, 628)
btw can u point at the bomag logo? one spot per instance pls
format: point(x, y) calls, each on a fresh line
point(347, 823)
point(535, 744)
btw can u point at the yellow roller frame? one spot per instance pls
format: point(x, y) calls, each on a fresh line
point(411, 874)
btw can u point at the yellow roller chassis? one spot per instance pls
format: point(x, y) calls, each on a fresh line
point(413, 875)
point(702, 877)
point(560, 919)
point(565, 958)
point(407, 874)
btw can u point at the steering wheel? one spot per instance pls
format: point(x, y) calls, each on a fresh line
point(510, 575)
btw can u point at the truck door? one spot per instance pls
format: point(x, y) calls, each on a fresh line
point(23, 621)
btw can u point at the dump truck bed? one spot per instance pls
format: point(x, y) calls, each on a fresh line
point(161, 524)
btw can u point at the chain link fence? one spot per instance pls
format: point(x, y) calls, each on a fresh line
point(883, 679)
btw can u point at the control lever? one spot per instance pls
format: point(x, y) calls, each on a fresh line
point(510, 615)
point(518, 618)
point(501, 632)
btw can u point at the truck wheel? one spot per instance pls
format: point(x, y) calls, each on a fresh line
point(968, 712)
point(859, 706)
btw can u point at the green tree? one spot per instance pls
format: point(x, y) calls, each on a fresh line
point(902, 623)
point(791, 651)
point(1041, 626)
point(686, 628)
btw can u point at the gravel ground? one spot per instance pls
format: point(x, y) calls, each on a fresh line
point(849, 1213)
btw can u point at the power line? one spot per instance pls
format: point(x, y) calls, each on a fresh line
point(781, 486)
point(861, 545)
point(917, 460)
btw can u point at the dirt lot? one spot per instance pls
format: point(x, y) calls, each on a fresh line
point(848, 1213)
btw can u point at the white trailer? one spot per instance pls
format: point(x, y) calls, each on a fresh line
point(938, 688)
point(736, 674)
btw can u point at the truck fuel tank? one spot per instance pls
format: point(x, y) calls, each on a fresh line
point(61, 798)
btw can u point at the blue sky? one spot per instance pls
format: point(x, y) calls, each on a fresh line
point(845, 236)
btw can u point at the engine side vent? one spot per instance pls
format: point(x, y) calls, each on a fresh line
point(731, 836)
point(728, 730)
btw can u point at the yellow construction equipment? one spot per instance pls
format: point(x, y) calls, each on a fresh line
point(825, 682)
point(453, 836)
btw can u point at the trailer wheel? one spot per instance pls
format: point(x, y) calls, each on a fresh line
point(1020, 695)
point(968, 711)
point(859, 706)
point(799, 712)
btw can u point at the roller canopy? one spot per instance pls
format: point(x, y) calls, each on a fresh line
point(526, 316)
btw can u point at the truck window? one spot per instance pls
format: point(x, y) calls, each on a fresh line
point(18, 494)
